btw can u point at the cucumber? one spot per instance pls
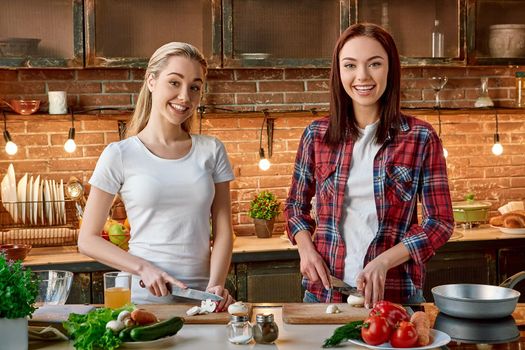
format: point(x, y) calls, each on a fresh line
point(157, 330)
point(125, 334)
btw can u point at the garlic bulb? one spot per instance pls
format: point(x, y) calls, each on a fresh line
point(332, 309)
point(238, 308)
point(356, 301)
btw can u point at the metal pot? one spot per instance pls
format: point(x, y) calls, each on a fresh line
point(471, 211)
point(489, 331)
point(478, 301)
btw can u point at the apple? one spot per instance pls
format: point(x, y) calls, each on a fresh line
point(118, 234)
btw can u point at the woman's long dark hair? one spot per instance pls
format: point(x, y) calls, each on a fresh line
point(343, 124)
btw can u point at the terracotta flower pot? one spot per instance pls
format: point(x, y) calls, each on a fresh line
point(264, 228)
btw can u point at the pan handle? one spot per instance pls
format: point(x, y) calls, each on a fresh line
point(513, 280)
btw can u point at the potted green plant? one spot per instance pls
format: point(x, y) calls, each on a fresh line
point(264, 207)
point(18, 292)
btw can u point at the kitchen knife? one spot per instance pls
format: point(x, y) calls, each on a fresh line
point(194, 294)
point(344, 288)
point(189, 293)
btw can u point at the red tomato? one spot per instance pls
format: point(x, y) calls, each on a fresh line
point(375, 330)
point(404, 336)
point(393, 313)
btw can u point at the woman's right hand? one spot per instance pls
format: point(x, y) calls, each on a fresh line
point(312, 265)
point(156, 281)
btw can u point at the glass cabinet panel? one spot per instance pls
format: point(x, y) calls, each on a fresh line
point(497, 39)
point(282, 33)
point(426, 32)
point(41, 33)
point(127, 32)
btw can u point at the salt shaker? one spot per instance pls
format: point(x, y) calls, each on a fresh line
point(265, 331)
point(239, 330)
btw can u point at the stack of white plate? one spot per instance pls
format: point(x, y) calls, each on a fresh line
point(33, 201)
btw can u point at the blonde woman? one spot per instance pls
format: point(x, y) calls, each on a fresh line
point(171, 182)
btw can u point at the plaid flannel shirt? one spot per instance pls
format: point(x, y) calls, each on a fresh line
point(406, 167)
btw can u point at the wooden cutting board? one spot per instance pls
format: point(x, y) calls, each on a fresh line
point(314, 313)
point(54, 315)
point(165, 311)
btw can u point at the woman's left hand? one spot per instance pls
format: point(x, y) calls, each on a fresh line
point(227, 299)
point(371, 281)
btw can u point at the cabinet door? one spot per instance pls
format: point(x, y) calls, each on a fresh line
point(511, 261)
point(273, 33)
point(125, 33)
point(460, 267)
point(269, 282)
point(41, 33)
point(496, 30)
point(413, 26)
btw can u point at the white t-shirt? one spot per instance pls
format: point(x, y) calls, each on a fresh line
point(359, 222)
point(168, 203)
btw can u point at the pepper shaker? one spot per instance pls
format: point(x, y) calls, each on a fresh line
point(265, 331)
point(239, 330)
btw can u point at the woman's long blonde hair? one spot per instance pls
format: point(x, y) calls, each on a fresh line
point(156, 64)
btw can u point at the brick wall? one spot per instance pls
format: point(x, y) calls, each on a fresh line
point(467, 134)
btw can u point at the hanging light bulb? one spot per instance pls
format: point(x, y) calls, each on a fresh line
point(497, 148)
point(70, 146)
point(264, 164)
point(10, 147)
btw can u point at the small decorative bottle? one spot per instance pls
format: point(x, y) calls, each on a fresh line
point(484, 99)
point(265, 331)
point(239, 330)
point(438, 41)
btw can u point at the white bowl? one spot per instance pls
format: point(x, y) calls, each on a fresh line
point(55, 286)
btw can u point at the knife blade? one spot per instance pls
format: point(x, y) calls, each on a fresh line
point(344, 288)
point(194, 294)
point(188, 292)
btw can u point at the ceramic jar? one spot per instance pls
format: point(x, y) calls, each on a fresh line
point(507, 40)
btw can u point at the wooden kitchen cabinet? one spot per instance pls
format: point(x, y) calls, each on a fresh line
point(269, 282)
point(125, 33)
point(496, 32)
point(411, 23)
point(41, 33)
point(276, 33)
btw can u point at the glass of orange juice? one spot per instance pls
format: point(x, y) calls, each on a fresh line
point(117, 289)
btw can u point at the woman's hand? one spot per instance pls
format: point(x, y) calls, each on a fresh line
point(156, 281)
point(227, 299)
point(313, 267)
point(371, 281)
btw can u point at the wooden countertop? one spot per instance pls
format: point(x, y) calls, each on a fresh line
point(70, 254)
point(245, 244)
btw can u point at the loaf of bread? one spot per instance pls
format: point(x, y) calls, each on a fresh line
point(514, 219)
point(496, 220)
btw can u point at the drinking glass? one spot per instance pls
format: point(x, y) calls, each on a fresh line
point(117, 289)
point(437, 84)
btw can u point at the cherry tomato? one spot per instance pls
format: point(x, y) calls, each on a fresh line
point(375, 330)
point(404, 336)
point(393, 313)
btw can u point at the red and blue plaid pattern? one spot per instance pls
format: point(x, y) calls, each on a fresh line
point(408, 167)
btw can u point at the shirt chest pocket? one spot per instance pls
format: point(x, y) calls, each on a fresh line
point(325, 179)
point(399, 181)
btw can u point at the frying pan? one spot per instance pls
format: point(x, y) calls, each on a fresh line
point(478, 301)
